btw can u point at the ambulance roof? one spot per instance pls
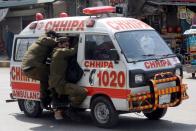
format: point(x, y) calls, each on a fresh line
point(81, 24)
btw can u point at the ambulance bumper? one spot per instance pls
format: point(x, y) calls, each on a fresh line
point(11, 100)
point(159, 98)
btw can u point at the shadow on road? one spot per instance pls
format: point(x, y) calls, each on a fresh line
point(133, 123)
point(191, 78)
point(126, 123)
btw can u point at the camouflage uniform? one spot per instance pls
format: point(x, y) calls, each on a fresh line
point(33, 63)
point(57, 78)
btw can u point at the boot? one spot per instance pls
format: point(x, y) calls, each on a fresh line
point(58, 114)
point(45, 103)
point(55, 103)
point(72, 114)
point(59, 103)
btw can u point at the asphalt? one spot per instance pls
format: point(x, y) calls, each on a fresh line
point(180, 118)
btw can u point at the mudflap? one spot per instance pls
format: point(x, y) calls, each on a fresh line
point(20, 105)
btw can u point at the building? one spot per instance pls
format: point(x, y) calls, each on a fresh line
point(16, 14)
point(169, 17)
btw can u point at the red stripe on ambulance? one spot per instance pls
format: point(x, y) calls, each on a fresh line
point(113, 93)
point(25, 86)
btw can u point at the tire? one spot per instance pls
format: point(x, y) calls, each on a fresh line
point(31, 108)
point(103, 112)
point(157, 114)
point(193, 75)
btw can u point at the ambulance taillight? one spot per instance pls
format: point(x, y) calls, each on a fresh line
point(99, 10)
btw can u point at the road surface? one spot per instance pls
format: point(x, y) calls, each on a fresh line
point(181, 118)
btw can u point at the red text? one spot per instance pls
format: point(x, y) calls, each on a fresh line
point(68, 25)
point(157, 64)
point(112, 79)
point(17, 75)
point(26, 94)
point(127, 24)
point(99, 64)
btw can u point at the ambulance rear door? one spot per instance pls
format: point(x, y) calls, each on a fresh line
point(22, 86)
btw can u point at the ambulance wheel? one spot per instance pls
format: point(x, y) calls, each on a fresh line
point(103, 112)
point(32, 108)
point(157, 114)
point(20, 104)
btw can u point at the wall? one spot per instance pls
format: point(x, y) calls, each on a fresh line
point(172, 19)
point(14, 24)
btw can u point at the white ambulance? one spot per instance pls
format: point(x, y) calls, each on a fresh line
point(127, 66)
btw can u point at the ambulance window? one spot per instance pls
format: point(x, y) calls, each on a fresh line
point(22, 44)
point(98, 47)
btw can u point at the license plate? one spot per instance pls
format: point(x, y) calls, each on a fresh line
point(164, 99)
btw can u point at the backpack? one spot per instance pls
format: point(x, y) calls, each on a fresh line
point(74, 71)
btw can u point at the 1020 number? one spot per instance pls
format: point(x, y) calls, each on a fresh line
point(112, 79)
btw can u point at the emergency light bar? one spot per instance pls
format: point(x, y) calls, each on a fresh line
point(39, 16)
point(99, 10)
point(63, 14)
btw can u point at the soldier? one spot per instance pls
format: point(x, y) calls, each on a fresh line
point(34, 63)
point(57, 78)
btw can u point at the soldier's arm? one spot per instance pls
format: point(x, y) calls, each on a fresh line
point(50, 41)
point(71, 51)
point(47, 41)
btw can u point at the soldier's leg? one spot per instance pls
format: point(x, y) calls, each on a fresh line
point(44, 94)
point(76, 96)
point(75, 93)
point(43, 73)
point(32, 73)
point(43, 88)
point(38, 73)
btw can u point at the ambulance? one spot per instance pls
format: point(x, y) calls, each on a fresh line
point(127, 66)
